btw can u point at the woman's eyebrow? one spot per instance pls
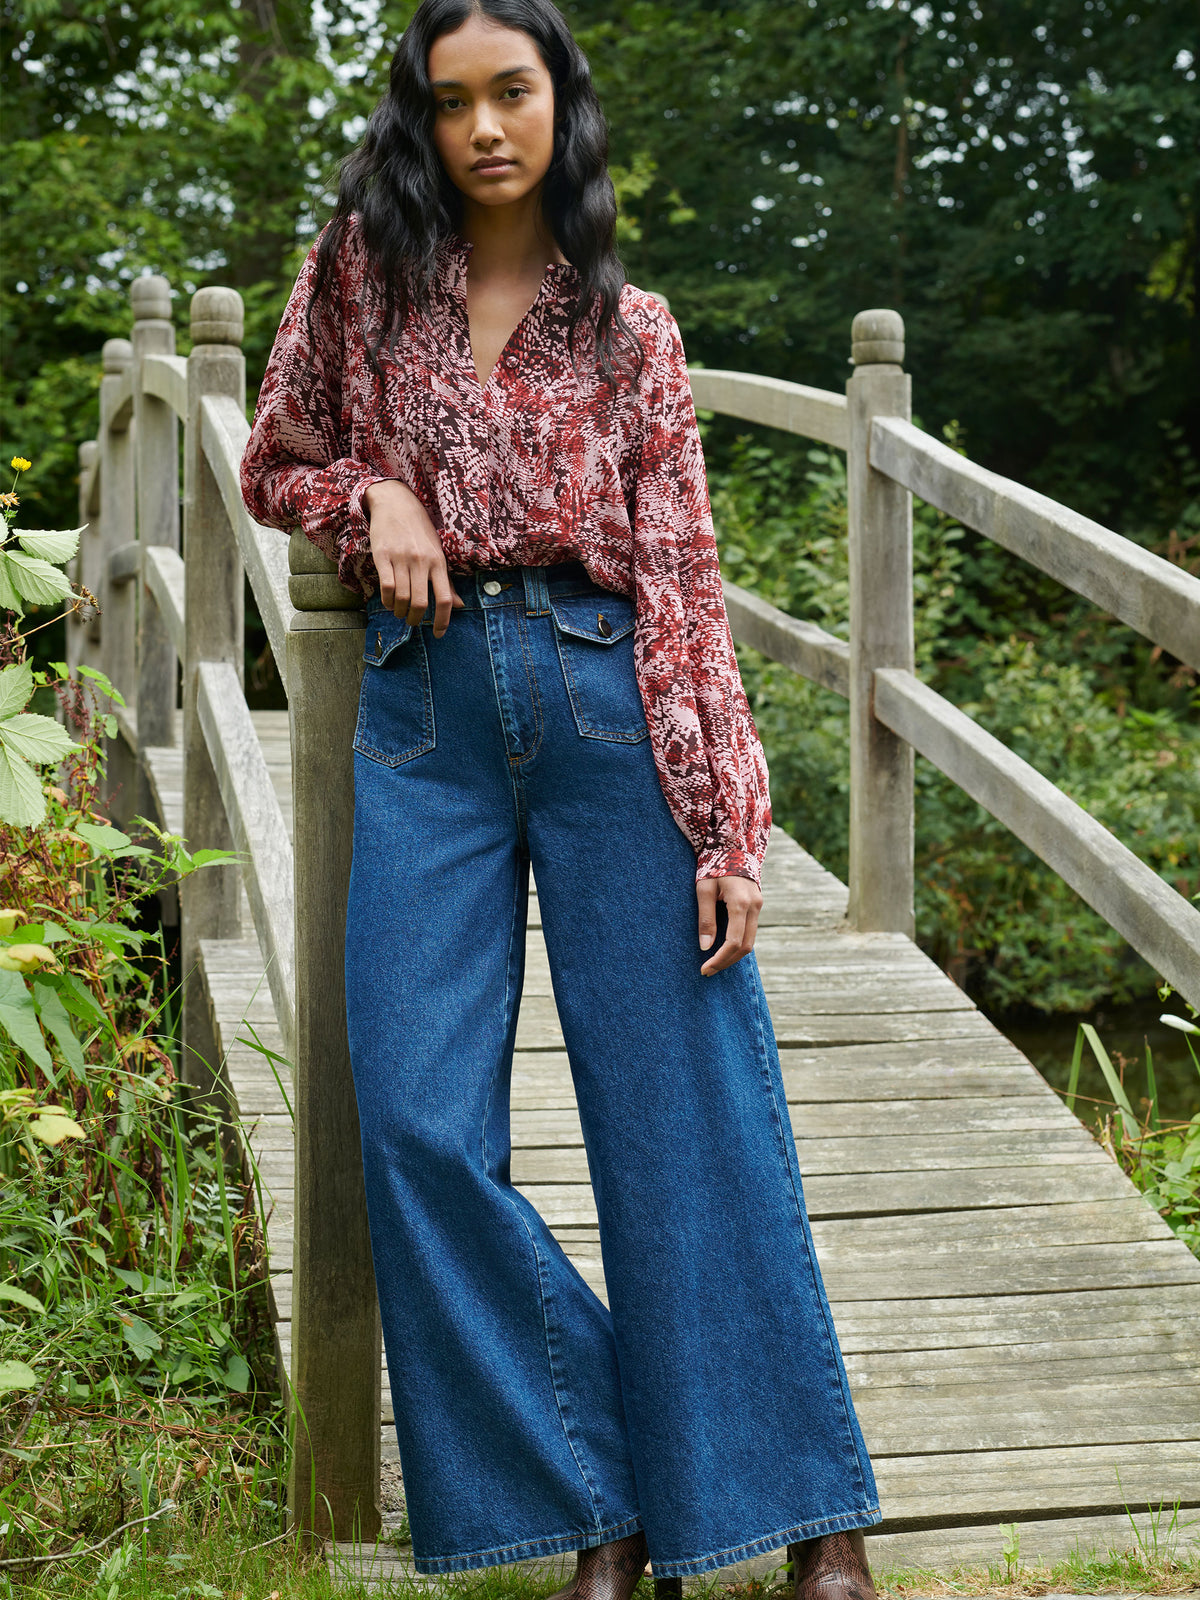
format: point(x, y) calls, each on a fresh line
point(454, 83)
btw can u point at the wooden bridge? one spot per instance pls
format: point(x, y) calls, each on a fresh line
point(1022, 1331)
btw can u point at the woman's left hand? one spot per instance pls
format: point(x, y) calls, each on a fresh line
point(743, 902)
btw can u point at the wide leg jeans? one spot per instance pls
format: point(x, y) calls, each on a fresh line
point(708, 1403)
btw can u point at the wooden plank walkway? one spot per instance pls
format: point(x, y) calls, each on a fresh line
point(1022, 1332)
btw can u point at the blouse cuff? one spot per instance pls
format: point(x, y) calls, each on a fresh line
point(723, 861)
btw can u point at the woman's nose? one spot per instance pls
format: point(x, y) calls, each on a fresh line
point(487, 126)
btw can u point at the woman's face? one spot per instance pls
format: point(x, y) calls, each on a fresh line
point(493, 98)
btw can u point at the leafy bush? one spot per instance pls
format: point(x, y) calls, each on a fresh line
point(1041, 670)
point(132, 1297)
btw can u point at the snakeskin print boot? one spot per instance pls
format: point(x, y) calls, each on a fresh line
point(607, 1571)
point(833, 1567)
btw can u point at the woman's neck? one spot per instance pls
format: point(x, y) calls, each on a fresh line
point(508, 246)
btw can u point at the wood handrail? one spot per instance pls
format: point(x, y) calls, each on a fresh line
point(259, 831)
point(803, 646)
point(264, 551)
point(165, 377)
point(1128, 894)
point(794, 407)
point(162, 571)
point(1160, 600)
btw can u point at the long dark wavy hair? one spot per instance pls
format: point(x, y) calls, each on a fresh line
point(406, 205)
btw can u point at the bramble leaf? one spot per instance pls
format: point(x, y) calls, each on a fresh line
point(16, 685)
point(59, 545)
point(22, 802)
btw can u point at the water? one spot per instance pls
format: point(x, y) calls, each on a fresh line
point(1124, 1032)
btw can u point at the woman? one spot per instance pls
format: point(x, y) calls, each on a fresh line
point(493, 434)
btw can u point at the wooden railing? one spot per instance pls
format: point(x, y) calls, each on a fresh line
point(159, 607)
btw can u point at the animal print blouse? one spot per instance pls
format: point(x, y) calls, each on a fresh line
point(536, 467)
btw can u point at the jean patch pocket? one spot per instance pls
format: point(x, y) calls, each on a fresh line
point(395, 706)
point(594, 634)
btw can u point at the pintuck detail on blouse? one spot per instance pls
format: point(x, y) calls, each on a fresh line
point(535, 467)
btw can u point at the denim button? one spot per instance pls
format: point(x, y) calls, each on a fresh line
point(491, 587)
point(603, 625)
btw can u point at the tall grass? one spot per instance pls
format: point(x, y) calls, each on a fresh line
point(1161, 1157)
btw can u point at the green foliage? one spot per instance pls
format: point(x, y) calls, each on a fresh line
point(1163, 1161)
point(131, 1266)
point(1059, 692)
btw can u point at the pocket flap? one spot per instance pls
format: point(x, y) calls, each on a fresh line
point(384, 632)
point(593, 616)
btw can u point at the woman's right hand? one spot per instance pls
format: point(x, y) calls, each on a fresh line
point(408, 556)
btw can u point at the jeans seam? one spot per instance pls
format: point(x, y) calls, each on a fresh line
point(809, 1248)
point(491, 1094)
point(544, 1298)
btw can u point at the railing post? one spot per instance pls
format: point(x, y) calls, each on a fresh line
point(881, 635)
point(157, 444)
point(82, 623)
point(336, 1346)
point(118, 598)
point(210, 901)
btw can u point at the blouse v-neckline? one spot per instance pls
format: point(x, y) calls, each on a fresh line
point(556, 274)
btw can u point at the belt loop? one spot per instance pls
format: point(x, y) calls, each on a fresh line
point(537, 592)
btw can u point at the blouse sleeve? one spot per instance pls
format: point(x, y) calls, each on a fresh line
point(298, 469)
point(709, 756)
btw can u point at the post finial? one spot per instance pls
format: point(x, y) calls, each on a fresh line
point(151, 298)
point(877, 336)
point(217, 316)
point(116, 355)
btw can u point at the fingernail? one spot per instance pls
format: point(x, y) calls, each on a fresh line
point(705, 940)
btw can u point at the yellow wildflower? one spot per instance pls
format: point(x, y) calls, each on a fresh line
point(10, 502)
point(19, 464)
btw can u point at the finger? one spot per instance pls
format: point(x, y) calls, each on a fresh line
point(706, 898)
point(732, 949)
point(418, 596)
point(400, 580)
point(443, 600)
point(387, 582)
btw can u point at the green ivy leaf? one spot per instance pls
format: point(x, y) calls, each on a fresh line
point(36, 738)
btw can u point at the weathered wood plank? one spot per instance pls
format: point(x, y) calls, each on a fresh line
point(570, 1203)
point(1172, 1312)
point(259, 832)
point(224, 431)
point(1042, 1541)
point(802, 646)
